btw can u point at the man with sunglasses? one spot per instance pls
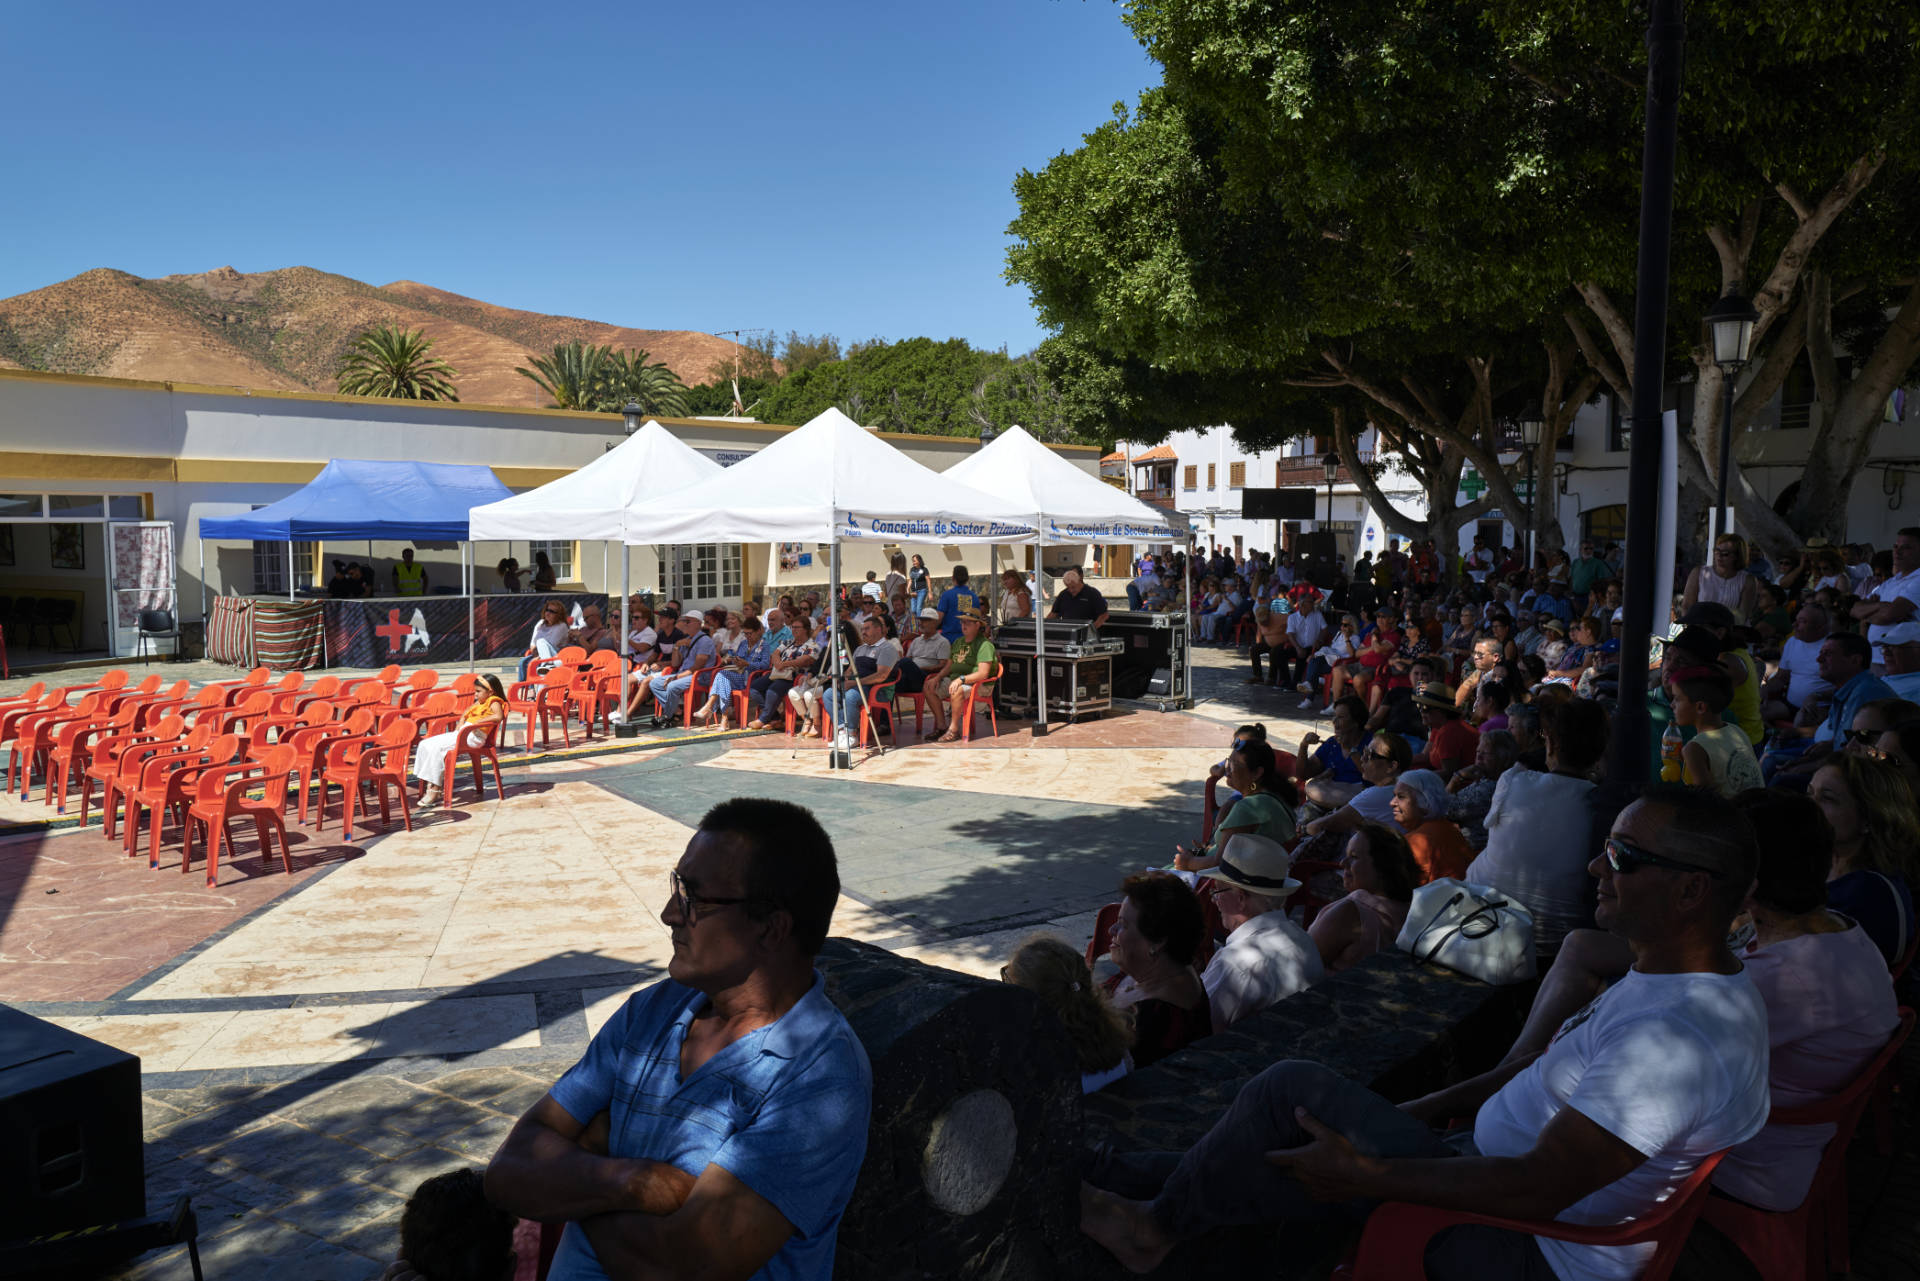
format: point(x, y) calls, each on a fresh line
point(1664, 1069)
point(734, 1093)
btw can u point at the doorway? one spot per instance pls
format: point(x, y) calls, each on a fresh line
point(64, 595)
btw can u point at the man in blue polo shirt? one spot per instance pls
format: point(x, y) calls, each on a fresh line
point(735, 1096)
point(954, 601)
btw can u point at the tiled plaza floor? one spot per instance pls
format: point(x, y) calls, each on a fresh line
point(314, 1046)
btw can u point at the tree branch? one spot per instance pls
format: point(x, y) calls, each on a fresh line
point(1619, 332)
point(1801, 209)
point(1396, 521)
point(1772, 373)
point(1771, 300)
point(1597, 358)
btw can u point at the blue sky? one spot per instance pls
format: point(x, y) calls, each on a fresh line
point(840, 166)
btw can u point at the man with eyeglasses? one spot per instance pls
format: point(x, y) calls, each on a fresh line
point(735, 1097)
point(1843, 663)
point(1662, 1070)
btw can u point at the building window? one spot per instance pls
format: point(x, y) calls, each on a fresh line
point(705, 574)
point(1213, 476)
point(270, 568)
point(1237, 475)
point(1604, 524)
point(1190, 477)
point(560, 554)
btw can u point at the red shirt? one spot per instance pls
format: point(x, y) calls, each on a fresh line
point(1456, 741)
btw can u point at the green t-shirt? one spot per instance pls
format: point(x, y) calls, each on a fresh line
point(1269, 816)
point(969, 655)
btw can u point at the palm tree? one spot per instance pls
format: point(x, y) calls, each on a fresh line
point(573, 374)
point(657, 389)
point(396, 363)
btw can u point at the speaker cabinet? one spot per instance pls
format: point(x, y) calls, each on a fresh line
point(70, 1153)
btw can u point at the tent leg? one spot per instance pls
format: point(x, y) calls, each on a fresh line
point(833, 640)
point(1186, 614)
point(201, 539)
point(1039, 641)
point(289, 569)
point(469, 577)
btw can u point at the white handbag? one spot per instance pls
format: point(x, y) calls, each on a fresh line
point(1471, 928)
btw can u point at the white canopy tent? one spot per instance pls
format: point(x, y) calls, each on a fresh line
point(829, 481)
point(593, 503)
point(1063, 505)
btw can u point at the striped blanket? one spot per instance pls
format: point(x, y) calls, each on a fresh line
point(227, 639)
point(289, 636)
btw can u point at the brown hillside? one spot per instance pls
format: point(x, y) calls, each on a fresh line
point(286, 329)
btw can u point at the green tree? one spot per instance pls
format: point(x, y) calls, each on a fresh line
point(395, 363)
point(573, 374)
point(625, 376)
point(1321, 193)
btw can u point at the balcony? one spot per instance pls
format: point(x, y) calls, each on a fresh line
point(1293, 472)
point(1158, 497)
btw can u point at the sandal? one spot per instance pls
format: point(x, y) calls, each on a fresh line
point(951, 736)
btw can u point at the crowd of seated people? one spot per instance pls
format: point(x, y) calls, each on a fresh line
point(1710, 948)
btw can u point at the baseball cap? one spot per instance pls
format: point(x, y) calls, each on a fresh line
point(929, 612)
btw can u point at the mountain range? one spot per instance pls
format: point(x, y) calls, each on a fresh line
point(285, 330)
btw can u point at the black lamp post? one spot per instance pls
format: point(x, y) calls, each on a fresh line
point(987, 434)
point(1330, 467)
point(631, 415)
point(1729, 325)
point(1532, 423)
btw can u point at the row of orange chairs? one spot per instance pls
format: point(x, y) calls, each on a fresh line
point(137, 746)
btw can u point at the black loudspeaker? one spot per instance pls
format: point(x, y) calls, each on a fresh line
point(1278, 504)
point(70, 1153)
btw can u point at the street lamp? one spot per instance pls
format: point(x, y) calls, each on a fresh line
point(987, 434)
point(1330, 467)
point(1532, 423)
point(1729, 325)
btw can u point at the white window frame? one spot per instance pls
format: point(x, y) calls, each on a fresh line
point(559, 555)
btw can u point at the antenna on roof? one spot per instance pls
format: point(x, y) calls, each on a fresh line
point(739, 408)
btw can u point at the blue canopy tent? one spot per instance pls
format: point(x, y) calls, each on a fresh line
point(372, 499)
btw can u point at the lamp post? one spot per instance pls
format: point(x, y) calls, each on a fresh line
point(1330, 467)
point(630, 416)
point(1532, 423)
point(987, 434)
point(1628, 762)
point(1729, 325)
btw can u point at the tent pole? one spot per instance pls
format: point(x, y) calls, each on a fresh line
point(289, 568)
point(1039, 640)
point(1186, 615)
point(993, 575)
point(626, 592)
point(468, 566)
point(202, 540)
point(833, 639)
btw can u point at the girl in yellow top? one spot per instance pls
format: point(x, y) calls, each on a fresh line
point(430, 758)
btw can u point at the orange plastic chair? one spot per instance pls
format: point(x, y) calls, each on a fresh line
point(166, 786)
point(163, 703)
point(220, 796)
point(32, 744)
point(10, 720)
point(171, 736)
point(384, 681)
point(965, 716)
point(310, 750)
point(418, 685)
point(352, 765)
point(545, 697)
point(323, 690)
point(147, 687)
point(1810, 1241)
point(28, 697)
point(234, 691)
point(867, 709)
point(109, 749)
point(485, 752)
point(237, 716)
point(73, 747)
point(1393, 1246)
point(209, 700)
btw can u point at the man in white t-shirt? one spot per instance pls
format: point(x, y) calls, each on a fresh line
point(1664, 1069)
point(1266, 956)
point(1798, 677)
point(1890, 611)
point(1306, 629)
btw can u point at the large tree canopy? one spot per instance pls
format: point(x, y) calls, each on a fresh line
point(1330, 198)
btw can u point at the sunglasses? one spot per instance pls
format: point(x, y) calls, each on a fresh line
point(1864, 736)
point(1624, 858)
point(1380, 756)
point(692, 905)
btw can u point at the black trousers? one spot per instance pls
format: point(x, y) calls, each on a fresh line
point(1282, 663)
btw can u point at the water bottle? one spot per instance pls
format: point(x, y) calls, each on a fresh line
point(1670, 768)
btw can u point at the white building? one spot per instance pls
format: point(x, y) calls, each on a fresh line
point(1202, 473)
point(81, 455)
